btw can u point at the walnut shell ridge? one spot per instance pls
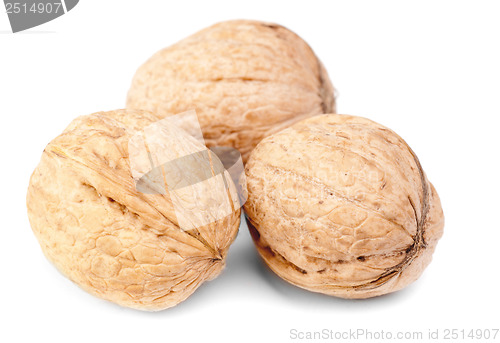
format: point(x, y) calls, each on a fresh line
point(113, 241)
point(245, 79)
point(340, 205)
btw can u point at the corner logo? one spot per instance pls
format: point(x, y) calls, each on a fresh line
point(26, 14)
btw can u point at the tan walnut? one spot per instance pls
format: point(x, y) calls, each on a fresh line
point(340, 205)
point(245, 79)
point(113, 241)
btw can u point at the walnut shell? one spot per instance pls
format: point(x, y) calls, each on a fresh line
point(112, 240)
point(245, 79)
point(340, 205)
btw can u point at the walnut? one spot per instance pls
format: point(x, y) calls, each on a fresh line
point(245, 79)
point(114, 241)
point(340, 205)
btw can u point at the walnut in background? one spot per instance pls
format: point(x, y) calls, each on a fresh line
point(245, 79)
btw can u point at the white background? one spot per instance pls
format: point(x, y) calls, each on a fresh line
point(430, 70)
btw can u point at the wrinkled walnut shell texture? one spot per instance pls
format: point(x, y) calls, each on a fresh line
point(114, 242)
point(245, 79)
point(340, 205)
